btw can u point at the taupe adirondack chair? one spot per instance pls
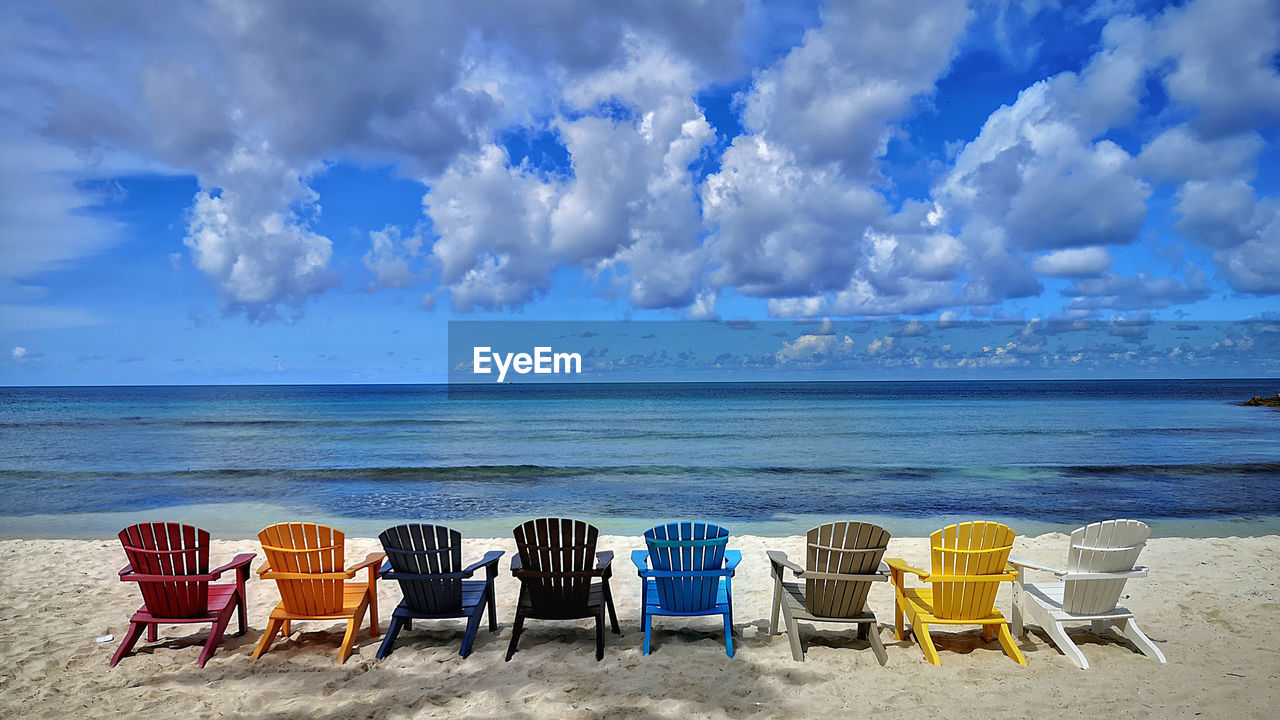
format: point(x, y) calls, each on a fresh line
point(1100, 560)
point(841, 561)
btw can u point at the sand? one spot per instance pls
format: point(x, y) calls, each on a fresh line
point(1211, 605)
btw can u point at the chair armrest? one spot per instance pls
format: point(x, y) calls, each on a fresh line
point(370, 560)
point(239, 561)
point(731, 560)
point(517, 564)
point(901, 566)
point(386, 567)
point(1021, 562)
point(604, 559)
point(1137, 572)
point(490, 558)
point(126, 570)
point(640, 558)
point(779, 560)
point(264, 568)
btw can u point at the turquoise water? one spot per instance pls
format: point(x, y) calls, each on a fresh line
point(768, 458)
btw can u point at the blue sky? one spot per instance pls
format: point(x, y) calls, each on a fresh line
point(231, 192)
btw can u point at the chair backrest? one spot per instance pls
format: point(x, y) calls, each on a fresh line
point(426, 550)
point(306, 548)
point(553, 547)
point(968, 549)
point(687, 546)
point(1108, 546)
point(845, 548)
point(169, 549)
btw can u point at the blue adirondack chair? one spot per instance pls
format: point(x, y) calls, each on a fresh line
point(427, 562)
point(690, 575)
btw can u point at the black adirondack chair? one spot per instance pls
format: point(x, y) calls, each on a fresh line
point(427, 562)
point(562, 577)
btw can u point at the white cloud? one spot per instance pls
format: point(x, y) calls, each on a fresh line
point(1075, 262)
point(389, 257)
point(816, 348)
point(18, 353)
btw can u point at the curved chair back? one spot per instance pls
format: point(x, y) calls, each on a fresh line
point(1108, 546)
point(169, 549)
point(844, 548)
point(967, 551)
point(426, 550)
point(691, 547)
point(307, 548)
point(556, 557)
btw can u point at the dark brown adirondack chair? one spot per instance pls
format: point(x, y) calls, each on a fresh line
point(562, 577)
point(841, 561)
point(170, 563)
point(427, 562)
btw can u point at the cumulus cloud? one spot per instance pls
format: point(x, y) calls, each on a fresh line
point(1075, 262)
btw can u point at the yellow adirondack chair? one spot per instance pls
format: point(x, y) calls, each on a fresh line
point(970, 560)
point(305, 560)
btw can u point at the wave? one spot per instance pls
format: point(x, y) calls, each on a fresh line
point(693, 472)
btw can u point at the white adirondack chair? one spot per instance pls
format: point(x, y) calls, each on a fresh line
point(1100, 561)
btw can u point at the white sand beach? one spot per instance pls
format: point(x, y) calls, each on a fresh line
point(1212, 605)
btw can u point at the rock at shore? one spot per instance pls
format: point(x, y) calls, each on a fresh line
point(1259, 401)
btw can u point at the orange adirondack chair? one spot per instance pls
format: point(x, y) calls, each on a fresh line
point(305, 560)
point(969, 561)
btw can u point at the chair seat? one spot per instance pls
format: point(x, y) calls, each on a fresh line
point(794, 595)
point(355, 596)
point(654, 607)
point(919, 608)
point(595, 600)
point(1050, 597)
point(472, 597)
point(220, 598)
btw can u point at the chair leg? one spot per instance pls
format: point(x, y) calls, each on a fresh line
point(268, 636)
point(646, 622)
point(793, 634)
point(777, 605)
point(349, 640)
point(473, 627)
point(877, 647)
point(516, 627)
point(921, 631)
point(1010, 649)
point(286, 629)
point(897, 619)
point(600, 634)
point(215, 636)
point(988, 633)
point(389, 640)
point(407, 623)
point(130, 639)
point(608, 602)
point(493, 608)
point(728, 634)
point(153, 633)
point(1058, 636)
point(1135, 635)
point(241, 619)
point(1016, 609)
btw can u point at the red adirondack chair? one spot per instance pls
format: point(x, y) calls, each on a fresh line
point(170, 563)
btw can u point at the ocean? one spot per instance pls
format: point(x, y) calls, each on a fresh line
point(760, 458)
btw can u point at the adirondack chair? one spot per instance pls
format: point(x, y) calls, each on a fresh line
point(841, 561)
point(427, 562)
point(558, 580)
point(305, 560)
point(1100, 559)
point(691, 575)
point(968, 565)
point(170, 563)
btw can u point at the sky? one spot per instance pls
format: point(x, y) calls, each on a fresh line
point(237, 191)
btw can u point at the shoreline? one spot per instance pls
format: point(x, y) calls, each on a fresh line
point(242, 521)
point(1209, 603)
